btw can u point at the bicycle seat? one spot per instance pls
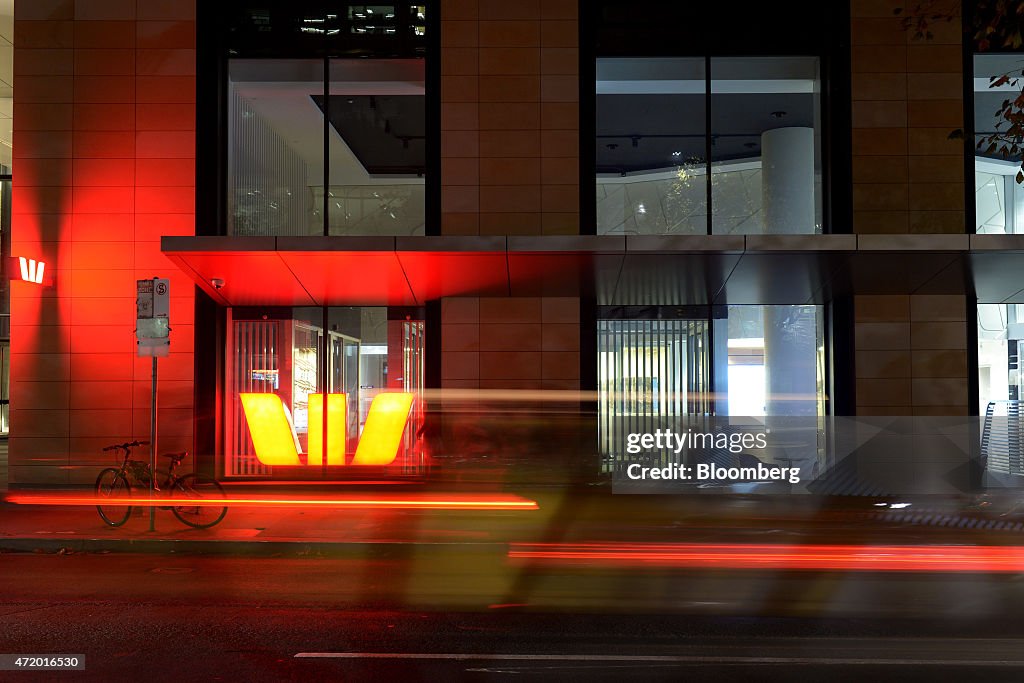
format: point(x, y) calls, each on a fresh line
point(176, 457)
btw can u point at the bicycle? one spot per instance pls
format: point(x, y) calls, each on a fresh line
point(115, 482)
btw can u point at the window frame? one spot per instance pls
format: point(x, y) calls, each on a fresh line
point(829, 42)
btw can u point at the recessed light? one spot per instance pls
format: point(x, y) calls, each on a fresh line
point(778, 114)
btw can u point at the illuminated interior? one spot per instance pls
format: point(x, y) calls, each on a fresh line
point(368, 360)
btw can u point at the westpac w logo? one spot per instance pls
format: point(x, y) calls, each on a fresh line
point(32, 270)
point(275, 441)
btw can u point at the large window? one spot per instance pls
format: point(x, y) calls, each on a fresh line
point(656, 365)
point(999, 198)
point(295, 354)
point(1000, 337)
point(722, 145)
point(326, 121)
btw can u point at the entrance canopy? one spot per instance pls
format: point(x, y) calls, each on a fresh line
point(615, 269)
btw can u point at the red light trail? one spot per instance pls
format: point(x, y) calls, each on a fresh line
point(410, 502)
point(894, 558)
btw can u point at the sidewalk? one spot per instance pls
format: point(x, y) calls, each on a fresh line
point(562, 517)
point(258, 531)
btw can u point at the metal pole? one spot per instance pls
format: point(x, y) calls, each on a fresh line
point(152, 452)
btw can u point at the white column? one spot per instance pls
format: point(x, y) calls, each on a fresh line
point(787, 181)
point(790, 332)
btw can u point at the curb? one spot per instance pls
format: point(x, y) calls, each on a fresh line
point(248, 548)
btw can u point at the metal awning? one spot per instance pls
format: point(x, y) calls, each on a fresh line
point(616, 270)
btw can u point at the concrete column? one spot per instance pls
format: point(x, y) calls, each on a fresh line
point(790, 332)
point(787, 180)
point(787, 188)
point(790, 357)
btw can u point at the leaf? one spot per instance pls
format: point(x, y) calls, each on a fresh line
point(957, 134)
point(1020, 177)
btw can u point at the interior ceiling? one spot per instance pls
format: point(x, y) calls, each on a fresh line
point(643, 132)
point(282, 92)
point(385, 132)
point(651, 112)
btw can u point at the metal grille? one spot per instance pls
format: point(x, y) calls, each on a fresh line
point(257, 370)
point(649, 371)
point(1002, 438)
point(412, 355)
point(412, 381)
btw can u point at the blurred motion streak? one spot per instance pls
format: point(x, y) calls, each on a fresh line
point(889, 558)
point(412, 502)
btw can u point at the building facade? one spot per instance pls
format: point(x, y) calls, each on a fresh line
point(643, 211)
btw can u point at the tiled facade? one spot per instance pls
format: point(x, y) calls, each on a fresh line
point(105, 165)
point(510, 166)
point(105, 152)
point(908, 176)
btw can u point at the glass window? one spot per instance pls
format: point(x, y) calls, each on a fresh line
point(776, 361)
point(377, 147)
point(375, 159)
point(649, 371)
point(657, 148)
point(324, 144)
point(1000, 332)
point(275, 159)
point(999, 199)
point(653, 371)
point(765, 145)
point(360, 352)
point(651, 165)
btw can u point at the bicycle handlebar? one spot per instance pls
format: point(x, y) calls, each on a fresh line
point(125, 446)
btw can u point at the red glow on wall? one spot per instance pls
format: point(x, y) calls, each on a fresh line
point(888, 558)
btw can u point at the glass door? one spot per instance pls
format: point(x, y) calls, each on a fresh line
point(294, 353)
point(344, 378)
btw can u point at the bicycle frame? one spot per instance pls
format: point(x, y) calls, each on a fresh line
point(140, 471)
point(166, 482)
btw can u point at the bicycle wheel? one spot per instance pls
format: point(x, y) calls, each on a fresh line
point(203, 514)
point(111, 484)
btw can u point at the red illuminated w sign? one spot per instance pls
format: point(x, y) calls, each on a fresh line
point(275, 441)
point(32, 270)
